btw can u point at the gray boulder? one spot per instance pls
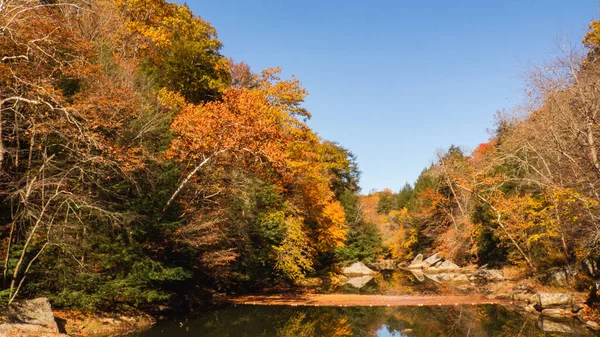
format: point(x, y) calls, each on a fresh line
point(489, 275)
point(521, 297)
point(494, 275)
point(360, 281)
point(461, 279)
point(592, 325)
point(558, 276)
point(447, 265)
point(556, 313)
point(357, 269)
point(418, 273)
point(35, 312)
point(432, 260)
point(531, 309)
point(27, 330)
point(436, 277)
point(417, 263)
point(550, 301)
point(590, 267)
point(447, 276)
point(577, 308)
point(563, 327)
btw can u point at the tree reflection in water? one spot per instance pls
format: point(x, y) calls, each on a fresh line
point(441, 321)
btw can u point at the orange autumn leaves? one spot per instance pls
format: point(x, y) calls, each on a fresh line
point(243, 124)
point(227, 120)
point(254, 128)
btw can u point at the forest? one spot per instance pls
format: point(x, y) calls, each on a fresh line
point(140, 167)
point(527, 198)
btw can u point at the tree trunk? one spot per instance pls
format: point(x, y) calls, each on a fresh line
point(592, 145)
point(187, 179)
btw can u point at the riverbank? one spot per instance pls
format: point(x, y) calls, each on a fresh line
point(445, 290)
point(362, 300)
point(79, 324)
point(36, 318)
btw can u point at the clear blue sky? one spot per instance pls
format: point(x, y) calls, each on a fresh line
point(396, 80)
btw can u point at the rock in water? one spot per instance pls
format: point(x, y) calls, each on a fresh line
point(436, 277)
point(432, 260)
point(356, 269)
point(593, 325)
point(548, 325)
point(577, 307)
point(359, 282)
point(36, 312)
point(590, 267)
point(447, 265)
point(546, 300)
point(417, 263)
point(418, 273)
point(556, 313)
point(531, 309)
point(461, 279)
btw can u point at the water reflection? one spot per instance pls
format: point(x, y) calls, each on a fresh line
point(274, 321)
point(402, 283)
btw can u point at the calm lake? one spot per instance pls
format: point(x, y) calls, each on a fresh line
point(300, 321)
point(275, 321)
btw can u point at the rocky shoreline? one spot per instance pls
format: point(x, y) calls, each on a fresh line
point(562, 306)
point(561, 311)
point(553, 309)
point(35, 318)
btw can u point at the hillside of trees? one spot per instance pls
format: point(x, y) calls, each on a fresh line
point(527, 198)
point(140, 166)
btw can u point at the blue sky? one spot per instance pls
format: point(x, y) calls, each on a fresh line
point(394, 81)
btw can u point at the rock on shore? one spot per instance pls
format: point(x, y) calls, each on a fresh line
point(35, 318)
point(30, 318)
point(357, 269)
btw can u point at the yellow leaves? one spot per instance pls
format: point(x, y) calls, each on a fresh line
point(333, 222)
point(172, 100)
point(293, 258)
point(160, 22)
point(399, 216)
point(311, 178)
point(332, 326)
point(287, 94)
point(404, 243)
point(180, 49)
point(592, 38)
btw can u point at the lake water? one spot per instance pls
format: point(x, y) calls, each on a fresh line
point(287, 321)
point(276, 321)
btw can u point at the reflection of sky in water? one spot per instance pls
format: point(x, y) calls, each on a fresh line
point(436, 321)
point(383, 332)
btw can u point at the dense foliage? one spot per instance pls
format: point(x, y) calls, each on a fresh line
point(530, 196)
point(138, 165)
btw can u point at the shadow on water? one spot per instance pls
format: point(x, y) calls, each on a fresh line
point(276, 321)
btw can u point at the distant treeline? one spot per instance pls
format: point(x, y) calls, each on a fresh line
point(530, 196)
